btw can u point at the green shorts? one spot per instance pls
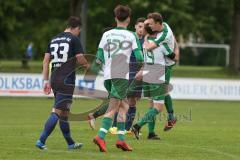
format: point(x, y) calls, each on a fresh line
point(154, 91)
point(117, 88)
point(157, 92)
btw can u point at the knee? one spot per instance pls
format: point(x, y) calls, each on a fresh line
point(132, 101)
point(60, 113)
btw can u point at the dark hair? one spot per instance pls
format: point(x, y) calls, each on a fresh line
point(157, 17)
point(140, 20)
point(122, 12)
point(73, 22)
point(149, 30)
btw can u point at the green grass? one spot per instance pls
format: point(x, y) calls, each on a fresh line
point(16, 67)
point(204, 72)
point(210, 133)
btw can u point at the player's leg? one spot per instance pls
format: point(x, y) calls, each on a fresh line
point(168, 103)
point(106, 124)
point(121, 119)
point(62, 107)
point(98, 113)
point(151, 123)
point(130, 116)
point(65, 128)
point(108, 116)
point(136, 127)
point(48, 128)
point(149, 91)
point(134, 94)
point(101, 111)
point(158, 107)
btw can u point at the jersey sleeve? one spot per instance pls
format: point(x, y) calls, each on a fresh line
point(100, 51)
point(169, 51)
point(77, 46)
point(137, 49)
point(161, 39)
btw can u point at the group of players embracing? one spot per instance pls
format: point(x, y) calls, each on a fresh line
point(135, 64)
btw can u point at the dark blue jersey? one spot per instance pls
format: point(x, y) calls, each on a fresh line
point(64, 47)
point(133, 62)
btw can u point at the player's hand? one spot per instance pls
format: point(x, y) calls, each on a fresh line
point(139, 75)
point(46, 88)
point(87, 66)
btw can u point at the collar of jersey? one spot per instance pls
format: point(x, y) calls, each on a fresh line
point(120, 28)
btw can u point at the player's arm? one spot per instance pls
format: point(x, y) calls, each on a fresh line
point(45, 72)
point(82, 60)
point(79, 53)
point(172, 54)
point(157, 42)
point(149, 45)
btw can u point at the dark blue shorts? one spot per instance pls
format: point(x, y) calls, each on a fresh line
point(63, 91)
point(62, 101)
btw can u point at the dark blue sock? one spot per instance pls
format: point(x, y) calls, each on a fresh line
point(49, 127)
point(130, 117)
point(115, 120)
point(65, 128)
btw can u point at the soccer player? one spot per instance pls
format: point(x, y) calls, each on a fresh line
point(114, 52)
point(171, 120)
point(155, 49)
point(63, 51)
point(136, 90)
point(133, 96)
point(170, 60)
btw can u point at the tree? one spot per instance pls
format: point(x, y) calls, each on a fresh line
point(235, 42)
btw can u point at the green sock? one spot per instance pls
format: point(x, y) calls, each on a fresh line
point(106, 124)
point(101, 111)
point(151, 123)
point(169, 107)
point(152, 112)
point(121, 130)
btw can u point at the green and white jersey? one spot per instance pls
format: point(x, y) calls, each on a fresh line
point(154, 65)
point(165, 40)
point(155, 56)
point(114, 52)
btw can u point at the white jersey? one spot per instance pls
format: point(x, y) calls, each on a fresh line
point(154, 65)
point(156, 60)
point(114, 52)
point(154, 56)
point(165, 40)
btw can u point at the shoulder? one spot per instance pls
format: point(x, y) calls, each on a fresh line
point(74, 39)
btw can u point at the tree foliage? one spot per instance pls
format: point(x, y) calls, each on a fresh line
point(24, 21)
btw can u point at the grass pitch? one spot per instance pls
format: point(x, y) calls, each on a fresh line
point(205, 130)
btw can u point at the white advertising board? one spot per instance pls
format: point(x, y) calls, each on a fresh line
point(24, 84)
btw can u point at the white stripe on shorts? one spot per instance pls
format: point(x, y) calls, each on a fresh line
point(103, 130)
point(121, 132)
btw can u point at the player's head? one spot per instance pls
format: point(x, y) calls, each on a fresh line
point(155, 21)
point(74, 25)
point(122, 14)
point(147, 28)
point(139, 26)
